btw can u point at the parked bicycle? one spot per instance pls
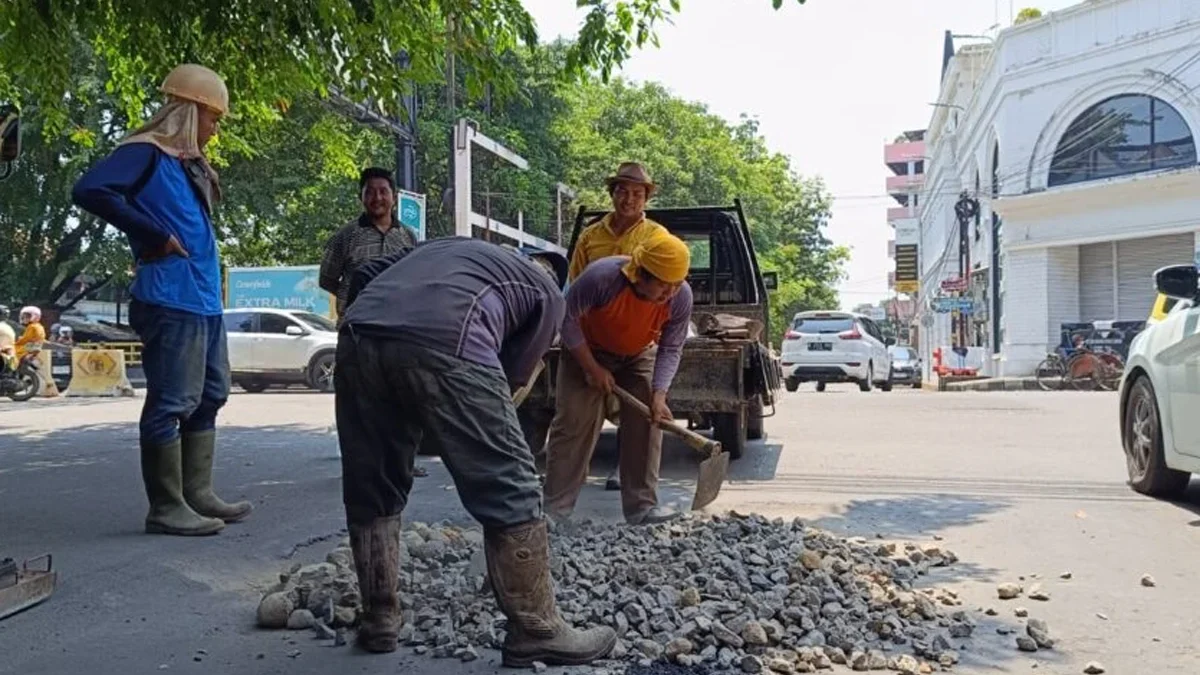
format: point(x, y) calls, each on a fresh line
point(1082, 368)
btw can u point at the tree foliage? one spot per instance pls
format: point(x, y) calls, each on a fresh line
point(289, 171)
point(273, 53)
point(1027, 14)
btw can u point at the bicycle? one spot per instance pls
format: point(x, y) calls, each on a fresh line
point(1052, 372)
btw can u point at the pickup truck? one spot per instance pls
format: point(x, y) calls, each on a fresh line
point(726, 377)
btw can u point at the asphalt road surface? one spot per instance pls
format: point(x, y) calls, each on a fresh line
point(1016, 484)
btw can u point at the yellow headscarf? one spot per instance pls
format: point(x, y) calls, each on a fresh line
point(662, 254)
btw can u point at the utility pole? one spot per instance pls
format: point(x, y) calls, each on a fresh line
point(965, 210)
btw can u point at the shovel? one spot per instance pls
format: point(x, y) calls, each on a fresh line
point(714, 466)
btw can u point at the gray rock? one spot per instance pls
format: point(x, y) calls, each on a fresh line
point(1009, 590)
point(274, 610)
point(754, 634)
point(1148, 581)
point(1040, 632)
point(300, 619)
point(907, 664)
point(1026, 643)
point(1093, 668)
point(751, 664)
point(678, 647)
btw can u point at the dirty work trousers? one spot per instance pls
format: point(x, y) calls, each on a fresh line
point(186, 361)
point(389, 395)
point(578, 417)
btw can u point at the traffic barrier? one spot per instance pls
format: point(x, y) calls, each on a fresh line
point(98, 372)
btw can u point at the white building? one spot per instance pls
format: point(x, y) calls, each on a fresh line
point(1075, 133)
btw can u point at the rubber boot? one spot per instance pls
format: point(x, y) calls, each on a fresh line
point(197, 479)
point(162, 474)
point(518, 560)
point(377, 561)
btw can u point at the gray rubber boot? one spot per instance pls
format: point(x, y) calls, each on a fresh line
point(197, 479)
point(377, 562)
point(162, 474)
point(518, 560)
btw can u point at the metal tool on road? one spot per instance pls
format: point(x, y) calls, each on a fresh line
point(25, 586)
point(713, 468)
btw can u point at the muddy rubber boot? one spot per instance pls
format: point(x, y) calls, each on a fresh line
point(197, 479)
point(518, 560)
point(162, 475)
point(377, 561)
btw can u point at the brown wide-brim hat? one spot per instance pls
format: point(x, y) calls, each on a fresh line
point(632, 172)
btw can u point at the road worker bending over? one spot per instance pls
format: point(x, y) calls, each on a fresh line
point(618, 310)
point(432, 348)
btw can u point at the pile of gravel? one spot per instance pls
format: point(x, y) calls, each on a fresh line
point(718, 594)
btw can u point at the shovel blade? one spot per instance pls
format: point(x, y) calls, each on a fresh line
point(708, 483)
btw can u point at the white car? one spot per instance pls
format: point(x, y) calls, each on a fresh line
point(827, 347)
point(1160, 392)
point(278, 346)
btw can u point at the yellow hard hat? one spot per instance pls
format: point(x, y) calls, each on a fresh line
point(198, 84)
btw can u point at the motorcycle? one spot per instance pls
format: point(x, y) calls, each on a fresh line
point(20, 384)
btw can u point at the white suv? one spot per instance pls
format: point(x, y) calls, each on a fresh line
point(278, 346)
point(826, 347)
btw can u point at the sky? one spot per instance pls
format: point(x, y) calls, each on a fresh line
point(830, 82)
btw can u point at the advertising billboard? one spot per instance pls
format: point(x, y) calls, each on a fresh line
point(277, 288)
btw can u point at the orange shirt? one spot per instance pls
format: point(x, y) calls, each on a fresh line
point(627, 325)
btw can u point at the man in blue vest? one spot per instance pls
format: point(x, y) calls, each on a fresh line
point(158, 189)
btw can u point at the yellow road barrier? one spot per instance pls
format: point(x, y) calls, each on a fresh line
point(98, 372)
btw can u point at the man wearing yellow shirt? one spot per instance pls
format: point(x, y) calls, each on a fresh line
point(618, 233)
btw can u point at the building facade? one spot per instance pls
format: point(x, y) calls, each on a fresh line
point(1068, 148)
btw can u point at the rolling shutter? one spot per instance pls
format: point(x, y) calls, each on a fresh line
point(1096, 282)
point(1137, 260)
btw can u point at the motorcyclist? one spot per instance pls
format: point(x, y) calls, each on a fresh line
point(8, 339)
point(35, 334)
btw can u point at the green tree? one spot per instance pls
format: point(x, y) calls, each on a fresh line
point(1027, 14)
point(273, 53)
point(45, 243)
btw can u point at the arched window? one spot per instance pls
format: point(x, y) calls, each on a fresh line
point(1122, 135)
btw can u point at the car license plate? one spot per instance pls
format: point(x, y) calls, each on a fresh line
point(820, 346)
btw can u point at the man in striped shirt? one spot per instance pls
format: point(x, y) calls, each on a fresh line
point(375, 233)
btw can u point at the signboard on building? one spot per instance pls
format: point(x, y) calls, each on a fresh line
point(908, 232)
point(955, 284)
point(277, 288)
point(960, 305)
point(412, 212)
point(907, 270)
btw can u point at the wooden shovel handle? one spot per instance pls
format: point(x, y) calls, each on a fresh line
point(693, 439)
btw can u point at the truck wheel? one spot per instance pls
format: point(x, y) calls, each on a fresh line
point(791, 385)
point(729, 429)
point(820, 386)
point(754, 420)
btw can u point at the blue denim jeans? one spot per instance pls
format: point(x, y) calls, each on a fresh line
point(186, 361)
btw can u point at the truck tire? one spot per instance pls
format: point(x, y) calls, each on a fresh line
point(729, 429)
point(754, 420)
point(791, 385)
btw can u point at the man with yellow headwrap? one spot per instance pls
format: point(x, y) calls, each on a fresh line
point(158, 189)
point(618, 309)
point(618, 233)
